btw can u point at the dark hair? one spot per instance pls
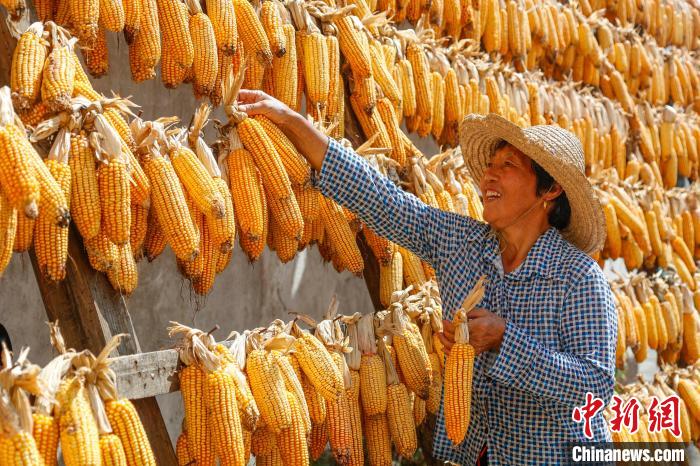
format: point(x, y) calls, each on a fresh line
point(560, 215)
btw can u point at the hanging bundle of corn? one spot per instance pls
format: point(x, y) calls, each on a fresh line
point(458, 371)
point(19, 380)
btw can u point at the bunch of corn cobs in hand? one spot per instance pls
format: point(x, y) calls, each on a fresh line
point(72, 402)
point(670, 381)
point(282, 393)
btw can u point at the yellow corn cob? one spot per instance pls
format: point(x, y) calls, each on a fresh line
point(112, 451)
point(84, 192)
point(294, 163)
point(144, 51)
point(688, 391)
point(373, 387)
point(205, 65)
point(401, 425)
point(413, 358)
point(155, 241)
point(382, 75)
point(24, 232)
point(138, 230)
point(438, 91)
point(341, 236)
point(378, 440)
point(111, 15)
point(44, 9)
point(45, 433)
point(412, 270)
point(96, 57)
point(391, 123)
point(291, 442)
point(354, 45)
point(50, 239)
point(17, 177)
point(268, 161)
point(115, 198)
point(284, 69)
point(79, 435)
point(263, 442)
point(102, 253)
point(209, 257)
point(84, 16)
point(223, 230)
point(252, 33)
point(314, 400)
point(381, 247)
point(19, 449)
point(58, 78)
point(27, 65)
point(318, 441)
point(458, 374)
point(338, 421)
point(353, 395)
point(391, 279)
point(197, 181)
point(8, 230)
point(492, 29)
point(123, 276)
point(364, 92)
point(226, 432)
point(684, 253)
point(318, 366)
point(422, 82)
point(408, 89)
point(177, 47)
point(247, 193)
point(272, 24)
point(269, 391)
point(192, 386)
point(223, 20)
point(171, 208)
point(193, 269)
point(316, 68)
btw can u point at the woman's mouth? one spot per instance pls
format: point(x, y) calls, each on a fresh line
point(491, 195)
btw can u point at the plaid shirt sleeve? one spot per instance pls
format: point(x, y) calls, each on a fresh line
point(391, 212)
point(587, 360)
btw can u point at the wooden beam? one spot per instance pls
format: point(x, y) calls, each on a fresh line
point(148, 374)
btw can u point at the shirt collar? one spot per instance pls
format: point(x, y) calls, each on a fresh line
point(543, 258)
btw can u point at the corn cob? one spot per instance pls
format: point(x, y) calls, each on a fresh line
point(96, 57)
point(354, 45)
point(111, 15)
point(112, 451)
point(58, 77)
point(144, 50)
point(438, 93)
point(102, 253)
point(8, 230)
point(123, 275)
point(192, 386)
point(272, 24)
point(252, 33)
point(223, 19)
point(318, 366)
point(84, 15)
point(19, 448)
point(45, 433)
point(115, 198)
point(177, 47)
point(50, 239)
point(291, 442)
point(27, 65)
point(294, 163)
point(422, 82)
point(398, 411)
point(208, 257)
point(79, 434)
point(378, 439)
point(316, 68)
point(155, 241)
point(340, 235)
point(338, 420)
point(284, 69)
point(318, 441)
point(391, 123)
point(205, 65)
point(269, 391)
point(138, 230)
point(391, 279)
point(226, 432)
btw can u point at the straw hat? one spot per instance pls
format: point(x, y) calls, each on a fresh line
point(557, 151)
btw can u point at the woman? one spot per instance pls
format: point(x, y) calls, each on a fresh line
point(546, 329)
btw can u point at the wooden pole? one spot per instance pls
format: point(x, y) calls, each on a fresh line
point(87, 308)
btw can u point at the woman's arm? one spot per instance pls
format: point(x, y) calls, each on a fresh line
point(587, 362)
point(351, 181)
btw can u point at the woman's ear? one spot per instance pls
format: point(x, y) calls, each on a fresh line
point(553, 192)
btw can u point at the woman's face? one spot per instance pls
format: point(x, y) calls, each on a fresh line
point(508, 187)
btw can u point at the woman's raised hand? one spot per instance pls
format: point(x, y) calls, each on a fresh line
point(255, 102)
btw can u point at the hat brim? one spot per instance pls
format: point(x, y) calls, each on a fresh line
point(479, 136)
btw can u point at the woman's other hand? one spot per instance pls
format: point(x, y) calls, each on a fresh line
point(486, 331)
point(255, 102)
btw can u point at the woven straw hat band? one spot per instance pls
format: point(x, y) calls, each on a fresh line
point(557, 151)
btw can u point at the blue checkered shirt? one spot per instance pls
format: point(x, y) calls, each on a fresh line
point(561, 325)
